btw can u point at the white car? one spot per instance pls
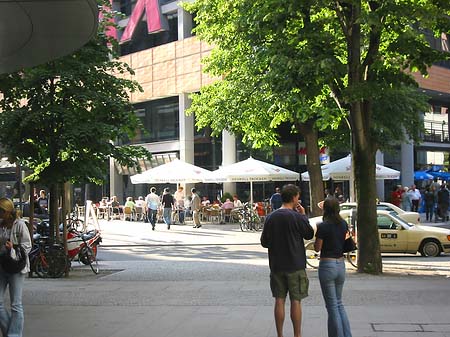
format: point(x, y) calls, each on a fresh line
point(411, 217)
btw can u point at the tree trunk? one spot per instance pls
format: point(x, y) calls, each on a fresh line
point(313, 164)
point(364, 149)
point(53, 212)
point(31, 210)
point(64, 221)
point(369, 257)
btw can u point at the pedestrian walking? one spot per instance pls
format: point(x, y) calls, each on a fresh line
point(275, 199)
point(428, 197)
point(283, 235)
point(195, 207)
point(416, 196)
point(179, 200)
point(13, 231)
point(168, 203)
point(443, 202)
point(406, 199)
point(152, 201)
point(330, 237)
point(396, 195)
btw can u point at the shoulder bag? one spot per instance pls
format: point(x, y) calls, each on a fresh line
point(349, 244)
point(14, 260)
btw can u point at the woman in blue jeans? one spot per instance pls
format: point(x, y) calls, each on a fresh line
point(330, 237)
point(13, 231)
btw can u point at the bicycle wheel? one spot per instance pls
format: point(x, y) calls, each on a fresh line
point(257, 223)
point(242, 222)
point(312, 257)
point(87, 256)
point(352, 258)
point(51, 264)
point(77, 224)
point(243, 225)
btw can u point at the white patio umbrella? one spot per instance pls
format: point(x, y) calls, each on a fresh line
point(341, 170)
point(251, 170)
point(175, 172)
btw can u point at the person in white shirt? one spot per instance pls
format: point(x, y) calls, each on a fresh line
point(236, 202)
point(153, 202)
point(415, 198)
point(140, 202)
point(179, 194)
point(141, 208)
point(179, 203)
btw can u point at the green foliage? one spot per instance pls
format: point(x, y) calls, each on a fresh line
point(262, 76)
point(289, 61)
point(59, 119)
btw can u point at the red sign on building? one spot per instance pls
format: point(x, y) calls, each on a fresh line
point(156, 21)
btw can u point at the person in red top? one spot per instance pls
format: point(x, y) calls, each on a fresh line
point(396, 196)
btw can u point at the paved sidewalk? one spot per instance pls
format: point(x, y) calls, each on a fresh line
point(152, 302)
point(175, 284)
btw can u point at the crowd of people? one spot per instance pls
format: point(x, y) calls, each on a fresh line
point(433, 200)
point(167, 206)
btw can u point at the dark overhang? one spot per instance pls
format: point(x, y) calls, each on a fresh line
point(36, 31)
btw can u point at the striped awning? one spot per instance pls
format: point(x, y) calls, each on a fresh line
point(156, 160)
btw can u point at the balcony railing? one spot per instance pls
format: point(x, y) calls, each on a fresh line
point(436, 132)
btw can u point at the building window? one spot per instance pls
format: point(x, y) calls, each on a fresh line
point(160, 119)
point(207, 149)
point(437, 109)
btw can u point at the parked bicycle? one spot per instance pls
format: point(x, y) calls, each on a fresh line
point(47, 259)
point(249, 219)
point(73, 221)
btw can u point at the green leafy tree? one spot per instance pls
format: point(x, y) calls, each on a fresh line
point(314, 62)
point(259, 90)
point(60, 119)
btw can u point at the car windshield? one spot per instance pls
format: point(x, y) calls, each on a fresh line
point(385, 208)
point(380, 207)
point(400, 220)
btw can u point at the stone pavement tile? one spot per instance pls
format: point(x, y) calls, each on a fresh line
point(67, 321)
point(159, 321)
point(408, 334)
point(314, 321)
point(437, 327)
point(221, 322)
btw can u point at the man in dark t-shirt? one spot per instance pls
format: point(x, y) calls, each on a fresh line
point(168, 203)
point(283, 234)
point(275, 200)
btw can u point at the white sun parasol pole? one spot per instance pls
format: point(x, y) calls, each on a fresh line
point(251, 194)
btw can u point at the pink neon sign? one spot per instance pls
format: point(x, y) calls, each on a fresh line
point(155, 20)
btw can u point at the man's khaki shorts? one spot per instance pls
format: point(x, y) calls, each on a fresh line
point(296, 283)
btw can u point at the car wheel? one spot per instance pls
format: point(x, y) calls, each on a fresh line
point(430, 248)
